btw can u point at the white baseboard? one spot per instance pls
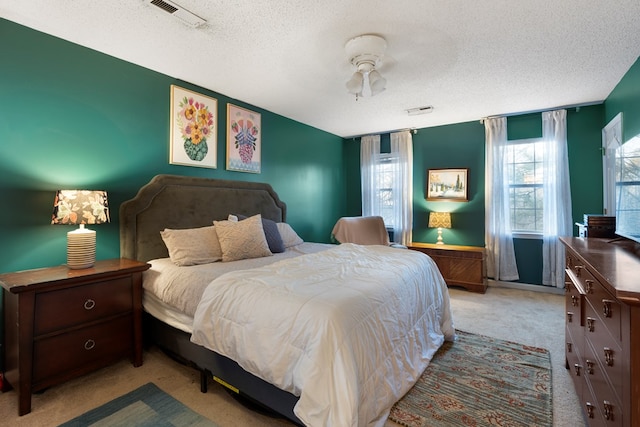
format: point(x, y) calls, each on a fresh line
point(525, 287)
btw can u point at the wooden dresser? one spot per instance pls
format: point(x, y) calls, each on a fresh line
point(460, 265)
point(62, 323)
point(603, 328)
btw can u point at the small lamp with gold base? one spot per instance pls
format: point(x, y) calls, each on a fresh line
point(439, 220)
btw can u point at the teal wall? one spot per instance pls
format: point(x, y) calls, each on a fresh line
point(461, 145)
point(625, 98)
point(71, 117)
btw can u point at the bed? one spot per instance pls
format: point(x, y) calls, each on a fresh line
point(320, 334)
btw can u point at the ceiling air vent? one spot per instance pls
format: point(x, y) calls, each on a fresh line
point(178, 11)
point(420, 110)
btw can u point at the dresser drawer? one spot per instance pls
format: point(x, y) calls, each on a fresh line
point(606, 307)
point(90, 347)
point(68, 307)
point(605, 380)
point(574, 359)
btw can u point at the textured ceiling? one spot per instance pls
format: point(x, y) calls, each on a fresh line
point(468, 59)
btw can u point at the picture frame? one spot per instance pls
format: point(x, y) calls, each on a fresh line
point(193, 133)
point(447, 185)
point(244, 140)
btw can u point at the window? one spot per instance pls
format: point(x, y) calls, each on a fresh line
point(385, 185)
point(524, 164)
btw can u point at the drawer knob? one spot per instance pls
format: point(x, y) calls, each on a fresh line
point(569, 316)
point(574, 300)
point(589, 367)
point(606, 307)
point(579, 269)
point(608, 356)
point(590, 409)
point(589, 286)
point(89, 344)
point(89, 304)
point(608, 410)
point(578, 368)
point(591, 324)
point(569, 347)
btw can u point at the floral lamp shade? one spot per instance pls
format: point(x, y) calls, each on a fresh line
point(80, 207)
point(440, 220)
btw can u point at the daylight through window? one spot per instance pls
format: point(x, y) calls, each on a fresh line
point(525, 168)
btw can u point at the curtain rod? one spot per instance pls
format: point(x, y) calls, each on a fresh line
point(412, 130)
point(522, 113)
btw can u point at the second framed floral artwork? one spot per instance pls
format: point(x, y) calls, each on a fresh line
point(243, 140)
point(193, 129)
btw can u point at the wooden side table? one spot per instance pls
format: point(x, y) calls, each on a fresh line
point(460, 265)
point(62, 323)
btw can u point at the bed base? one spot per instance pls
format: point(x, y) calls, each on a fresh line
point(251, 391)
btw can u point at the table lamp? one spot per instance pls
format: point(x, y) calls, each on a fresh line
point(439, 220)
point(80, 207)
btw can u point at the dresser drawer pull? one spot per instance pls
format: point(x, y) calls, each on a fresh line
point(89, 304)
point(608, 356)
point(590, 409)
point(589, 367)
point(578, 368)
point(591, 324)
point(608, 410)
point(89, 344)
point(578, 269)
point(569, 316)
point(569, 347)
point(574, 300)
point(606, 307)
point(588, 284)
point(567, 285)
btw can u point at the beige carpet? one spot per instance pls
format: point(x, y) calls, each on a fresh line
point(527, 317)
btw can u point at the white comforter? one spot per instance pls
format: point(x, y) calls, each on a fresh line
point(349, 330)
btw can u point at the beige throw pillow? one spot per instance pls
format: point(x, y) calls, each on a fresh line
point(242, 239)
point(192, 246)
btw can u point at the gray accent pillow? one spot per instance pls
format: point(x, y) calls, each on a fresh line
point(271, 233)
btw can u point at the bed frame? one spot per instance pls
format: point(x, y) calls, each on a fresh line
point(172, 201)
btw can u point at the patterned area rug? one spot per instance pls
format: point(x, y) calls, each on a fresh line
point(480, 381)
point(147, 406)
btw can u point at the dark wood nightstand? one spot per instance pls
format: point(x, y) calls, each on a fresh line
point(62, 323)
point(460, 265)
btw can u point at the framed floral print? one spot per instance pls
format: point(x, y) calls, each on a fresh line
point(193, 129)
point(447, 184)
point(243, 140)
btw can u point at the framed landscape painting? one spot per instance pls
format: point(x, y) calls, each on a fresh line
point(244, 143)
point(447, 184)
point(192, 140)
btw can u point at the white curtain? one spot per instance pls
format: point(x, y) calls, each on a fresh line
point(369, 155)
point(501, 259)
point(557, 218)
point(402, 149)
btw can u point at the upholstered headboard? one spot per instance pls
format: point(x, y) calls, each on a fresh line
point(172, 201)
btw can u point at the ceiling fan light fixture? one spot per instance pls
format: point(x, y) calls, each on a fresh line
point(365, 52)
point(377, 83)
point(355, 84)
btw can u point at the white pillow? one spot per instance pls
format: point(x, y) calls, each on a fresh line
point(289, 236)
point(242, 239)
point(192, 246)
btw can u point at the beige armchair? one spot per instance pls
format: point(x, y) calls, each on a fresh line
point(362, 230)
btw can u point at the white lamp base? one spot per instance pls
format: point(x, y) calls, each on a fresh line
point(440, 242)
point(81, 248)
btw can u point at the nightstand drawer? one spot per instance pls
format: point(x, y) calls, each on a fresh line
point(68, 307)
point(83, 349)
